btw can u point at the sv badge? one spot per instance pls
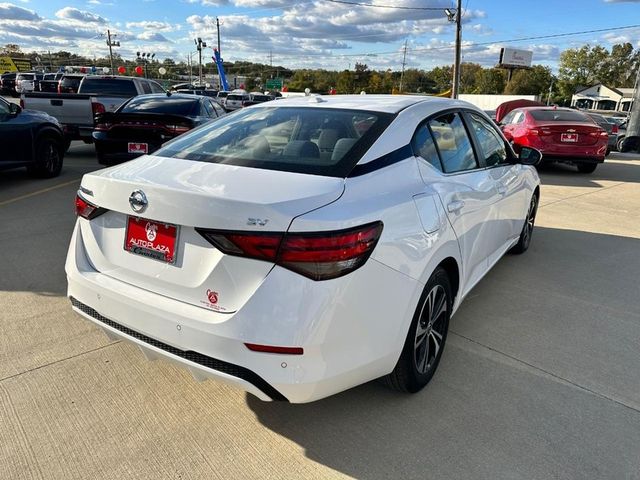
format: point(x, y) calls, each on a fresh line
point(259, 222)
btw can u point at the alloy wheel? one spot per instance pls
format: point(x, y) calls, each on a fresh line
point(430, 329)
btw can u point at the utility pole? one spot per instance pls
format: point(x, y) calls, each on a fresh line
point(218, 27)
point(456, 66)
point(550, 90)
point(200, 45)
point(404, 61)
point(111, 44)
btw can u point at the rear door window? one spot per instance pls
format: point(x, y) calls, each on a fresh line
point(146, 88)
point(453, 143)
point(424, 146)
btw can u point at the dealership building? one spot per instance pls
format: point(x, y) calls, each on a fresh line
point(601, 97)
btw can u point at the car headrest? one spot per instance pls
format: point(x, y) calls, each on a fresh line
point(342, 146)
point(301, 148)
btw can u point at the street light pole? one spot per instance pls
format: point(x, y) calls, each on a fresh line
point(200, 45)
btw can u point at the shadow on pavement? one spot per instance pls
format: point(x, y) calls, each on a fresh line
point(618, 167)
point(498, 406)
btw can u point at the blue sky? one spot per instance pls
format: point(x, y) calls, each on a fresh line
point(319, 33)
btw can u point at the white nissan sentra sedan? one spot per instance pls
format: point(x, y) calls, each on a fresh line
point(301, 248)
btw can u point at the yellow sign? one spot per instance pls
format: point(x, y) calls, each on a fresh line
point(8, 64)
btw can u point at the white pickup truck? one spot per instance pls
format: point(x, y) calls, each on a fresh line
point(96, 94)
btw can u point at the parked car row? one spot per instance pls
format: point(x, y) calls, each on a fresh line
point(15, 84)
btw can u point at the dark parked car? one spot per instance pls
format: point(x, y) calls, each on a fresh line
point(8, 84)
point(142, 124)
point(69, 83)
point(49, 82)
point(30, 139)
point(611, 129)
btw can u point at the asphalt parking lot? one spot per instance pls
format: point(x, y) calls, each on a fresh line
point(540, 377)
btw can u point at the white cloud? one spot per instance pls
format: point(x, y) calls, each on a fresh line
point(8, 11)
point(150, 36)
point(70, 13)
point(154, 25)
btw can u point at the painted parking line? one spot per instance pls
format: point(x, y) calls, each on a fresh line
point(38, 192)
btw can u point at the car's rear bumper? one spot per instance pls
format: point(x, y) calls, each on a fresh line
point(352, 329)
point(116, 150)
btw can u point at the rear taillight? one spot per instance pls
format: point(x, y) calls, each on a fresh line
point(534, 131)
point(599, 133)
point(178, 129)
point(614, 129)
point(59, 88)
point(97, 108)
point(86, 209)
point(317, 255)
point(22, 103)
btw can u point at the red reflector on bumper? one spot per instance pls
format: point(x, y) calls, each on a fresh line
point(272, 349)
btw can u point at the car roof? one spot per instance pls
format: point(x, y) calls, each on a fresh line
point(370, 103)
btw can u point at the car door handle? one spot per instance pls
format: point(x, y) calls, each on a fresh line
point(501, 189)
point(455, 206)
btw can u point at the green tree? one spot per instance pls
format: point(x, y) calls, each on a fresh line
point(10, 50)
point(441, 78)
point(581, 67)
point(344, 84)
point(468, 76)
point(534, 81)
point(490, 81)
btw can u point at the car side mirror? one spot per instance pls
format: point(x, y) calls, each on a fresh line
point(529, 156)
point(14, 109)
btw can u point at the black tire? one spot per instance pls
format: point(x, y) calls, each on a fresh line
point(423, 349)
point(527, 229)
point(49, 155)
point(619, 144)
point(587, 167)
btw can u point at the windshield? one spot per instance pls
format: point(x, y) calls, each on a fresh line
point(558, 116)
point(318, 141)
point(25, 76)
point(170, 105)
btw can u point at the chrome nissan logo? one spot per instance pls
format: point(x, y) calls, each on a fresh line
point(138, 201)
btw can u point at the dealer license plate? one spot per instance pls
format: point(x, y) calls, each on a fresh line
point(569, 137)
point(151, 239)
point(137, 147)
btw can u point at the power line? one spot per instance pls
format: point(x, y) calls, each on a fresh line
point(362, 4)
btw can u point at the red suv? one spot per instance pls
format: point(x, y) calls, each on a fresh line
point(561, 134)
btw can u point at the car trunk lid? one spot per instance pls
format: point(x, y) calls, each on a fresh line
point(186, 195)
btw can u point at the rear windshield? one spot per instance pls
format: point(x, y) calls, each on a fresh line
point(558, 116)
point(174, 106)
point(319, 141)
point(108, 86)
point(261, 98)
point(236, 97)
point(25, 76)
point(222, 94)
point(70, 80)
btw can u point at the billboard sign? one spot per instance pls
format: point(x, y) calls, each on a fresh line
point(8, 64)
point(511, 57)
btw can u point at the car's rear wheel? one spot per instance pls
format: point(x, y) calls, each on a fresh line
point(619, 144)
point(587, 167)
point(527, 230)
point(426, 338)
point(49, 155)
